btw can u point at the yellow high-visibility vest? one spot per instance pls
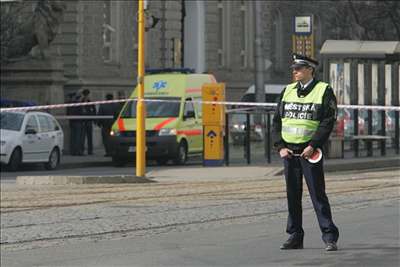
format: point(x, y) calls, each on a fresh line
point(300, 115)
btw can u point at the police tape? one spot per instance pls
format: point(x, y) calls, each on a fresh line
point(228, 103)
point(83, 117)
point(107, 117)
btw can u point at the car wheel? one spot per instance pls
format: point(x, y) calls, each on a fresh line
point(15, 160)
point(118, 162)
point(182, 154)
point(54, 160)
point(162, 161)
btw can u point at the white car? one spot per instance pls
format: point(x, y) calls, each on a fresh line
point(30, 137)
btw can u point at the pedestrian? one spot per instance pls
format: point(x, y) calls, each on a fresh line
point(72, 125)
point(75, 124)
point(303, 121)
point(110, 109)
point(87, 124)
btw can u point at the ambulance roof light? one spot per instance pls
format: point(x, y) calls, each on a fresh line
point(170, 70)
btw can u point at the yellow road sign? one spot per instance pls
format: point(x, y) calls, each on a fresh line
point(213, 114)
point(213, 145)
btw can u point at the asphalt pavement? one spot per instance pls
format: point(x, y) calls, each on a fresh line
point(368, 237)
point(97, 164)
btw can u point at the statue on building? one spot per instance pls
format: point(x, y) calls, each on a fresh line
point(26, 33)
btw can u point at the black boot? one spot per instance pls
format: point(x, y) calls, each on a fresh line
point(294, 242)
point(331, 246)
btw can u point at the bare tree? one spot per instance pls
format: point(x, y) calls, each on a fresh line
point(366, 20)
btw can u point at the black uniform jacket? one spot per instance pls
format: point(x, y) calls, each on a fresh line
point(327, 120)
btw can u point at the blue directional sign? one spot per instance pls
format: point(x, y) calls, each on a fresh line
point(211, 134)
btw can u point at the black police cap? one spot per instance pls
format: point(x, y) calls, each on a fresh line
point(303, 61)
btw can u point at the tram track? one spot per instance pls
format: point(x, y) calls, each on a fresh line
point(36, 218)
point(220, 189)
point(181, 224)
point(248, 200)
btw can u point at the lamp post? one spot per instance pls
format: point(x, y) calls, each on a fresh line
point(140, 107)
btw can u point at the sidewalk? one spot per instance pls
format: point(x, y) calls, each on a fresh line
point(331, 165)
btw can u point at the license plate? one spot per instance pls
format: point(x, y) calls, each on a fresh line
point(132, 149)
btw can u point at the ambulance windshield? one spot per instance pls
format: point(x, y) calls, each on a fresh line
point(155, 109)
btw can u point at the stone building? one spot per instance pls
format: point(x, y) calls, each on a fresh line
point(97, 42)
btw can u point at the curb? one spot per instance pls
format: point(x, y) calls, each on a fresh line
point(376, 163)
point(353, 165)
point(78, 180)
point(77, 165)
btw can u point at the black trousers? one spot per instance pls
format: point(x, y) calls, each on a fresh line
point(105, 134)
point(87, 133)
point(313, 173)
point(75, 137)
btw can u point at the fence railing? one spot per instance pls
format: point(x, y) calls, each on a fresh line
point(357, 133)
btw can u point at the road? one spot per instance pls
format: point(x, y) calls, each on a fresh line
point(369, 237)
point(196, 221)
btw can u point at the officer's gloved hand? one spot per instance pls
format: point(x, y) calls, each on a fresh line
point(307, 152)
point(285, 153)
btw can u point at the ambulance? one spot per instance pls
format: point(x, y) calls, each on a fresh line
point(174, 129)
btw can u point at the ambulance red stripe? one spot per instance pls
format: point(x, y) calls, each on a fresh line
point(121, 125)
point(162, 124)
point(190, 132)
point(193, 90)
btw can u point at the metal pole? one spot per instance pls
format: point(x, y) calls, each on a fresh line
point(258, 57)
point(247, 143)
point(140, 108)
point(368, 101)
point(226, 139)
point(381, 101)
point(395, 102)
point(268, 137)
point(354, 101)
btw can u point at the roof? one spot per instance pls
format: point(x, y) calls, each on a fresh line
point(360, 49)
point(269, 88)
point(169, 70)
point(15, 103)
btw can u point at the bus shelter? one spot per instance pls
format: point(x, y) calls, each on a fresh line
point(364, 73)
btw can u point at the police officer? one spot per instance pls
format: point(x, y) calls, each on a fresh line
point(110, 109)
point(87, 125)
point(303, 121)
point(75, 125)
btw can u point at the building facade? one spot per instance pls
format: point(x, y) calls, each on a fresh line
point(97, 41)
point(98, 38)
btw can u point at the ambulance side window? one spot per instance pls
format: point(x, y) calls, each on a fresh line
point(188, 112)
point(199, 108)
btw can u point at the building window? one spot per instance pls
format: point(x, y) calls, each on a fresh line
point(110, 31)
point(247, 34)
point(224, 33)
point(176, 52)
point(244, 34)
point(220, 33)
